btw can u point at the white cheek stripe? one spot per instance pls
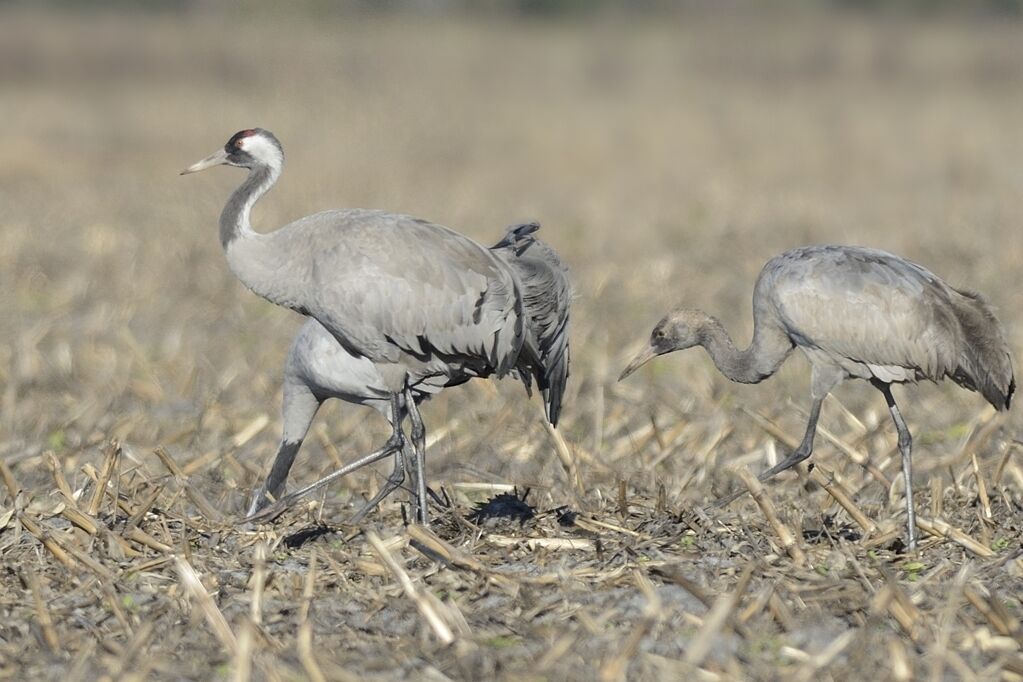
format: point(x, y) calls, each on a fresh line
point(262, 149)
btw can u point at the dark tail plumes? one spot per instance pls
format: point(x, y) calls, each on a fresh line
point(546, 292)
point(985, 363)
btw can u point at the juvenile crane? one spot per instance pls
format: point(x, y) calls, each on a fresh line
point(855, 313)
point(319, 368)
point(425, 306)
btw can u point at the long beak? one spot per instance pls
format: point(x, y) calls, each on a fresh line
point(643, 357)
point(215, 159)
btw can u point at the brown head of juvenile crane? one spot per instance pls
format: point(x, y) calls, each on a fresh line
point(856, 313)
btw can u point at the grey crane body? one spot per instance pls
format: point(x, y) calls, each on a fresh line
point(855, 313)
point(319, 368)
point(410, 306)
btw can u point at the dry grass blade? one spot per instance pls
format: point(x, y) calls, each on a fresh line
point(788, 540)
point(996, 614)
point(425, 541)
point(937, 497)
point(1004, 461)
point(48, 542)
point(901, 668)
point(305, 628)
point(674, 575)
point(193, 586)
point(821, 660)
point(258, 582)
point(144, 508)
point(43, 616)
point(109, 595)
point(93, 526)
point(893, 600)
point(565, 455)
point(243, 656)
point(556, 652)
point(723, 609)
point(771, 428)
point(942, 529)
point(545, 543)
point(596, 525)
point(133, 658)
point(193, 493)
point(57, 471)
point(113, 453)
point(10, 482)
point(426, 609)
point(143, 538)
point(426, 538)
point(615, 669)
point(985, 503)
point(826, 480)
point(249, 431)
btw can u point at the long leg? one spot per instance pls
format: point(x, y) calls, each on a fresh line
point(804, 450)
point(397, 476)
point(275, 509)
point(393, 445)
point(906, 450)
point(298, 409)
point(418, 435)
point(824, 378)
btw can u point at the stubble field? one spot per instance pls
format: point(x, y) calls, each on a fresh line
point(667, 161)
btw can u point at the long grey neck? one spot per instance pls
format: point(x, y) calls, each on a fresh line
point(258, 259)
point(752, 365)
point(234, 219)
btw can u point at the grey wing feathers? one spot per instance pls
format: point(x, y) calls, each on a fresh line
point(881, 316)
point(456, 297)
point(985, 364)
point(546, 294)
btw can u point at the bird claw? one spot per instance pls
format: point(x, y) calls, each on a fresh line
point(268, 512)
point(723, 502)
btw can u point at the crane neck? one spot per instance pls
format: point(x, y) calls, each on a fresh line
point(761, 359)
point(234, 219)
point(258, 259)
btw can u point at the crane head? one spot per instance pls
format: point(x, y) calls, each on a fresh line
point(251, 148)
point(678, 330)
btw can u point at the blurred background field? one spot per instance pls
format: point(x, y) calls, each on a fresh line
point(668, 151)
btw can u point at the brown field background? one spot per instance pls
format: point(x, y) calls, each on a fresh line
point(667, 158)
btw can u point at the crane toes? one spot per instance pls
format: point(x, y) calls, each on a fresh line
point(261, 499)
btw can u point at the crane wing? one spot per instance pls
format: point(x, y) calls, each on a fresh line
point(873, 313)
point(546, 294)
point(393, 283)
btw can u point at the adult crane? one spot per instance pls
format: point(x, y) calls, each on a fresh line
point(425, 305)
point(319, 368)
point(856, 313)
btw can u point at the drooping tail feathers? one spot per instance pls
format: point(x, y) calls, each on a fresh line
point(546, 293)
point(985, 363)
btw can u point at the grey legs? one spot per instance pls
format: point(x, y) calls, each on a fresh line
point(397, 475)
point(804, 450)
point(419, 446)
point(406, 459)
point(906, 450)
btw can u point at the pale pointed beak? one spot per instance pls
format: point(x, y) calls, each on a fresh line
point(215, 159)
point(643, 357)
